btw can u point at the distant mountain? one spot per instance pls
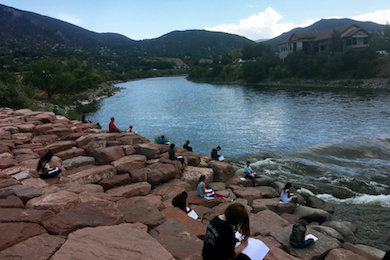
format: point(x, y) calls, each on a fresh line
point(30, 32)
point(321, 25)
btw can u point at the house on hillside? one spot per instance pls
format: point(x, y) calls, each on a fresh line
point(352, 37)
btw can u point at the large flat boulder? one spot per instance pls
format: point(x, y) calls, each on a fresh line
point(161, 172)
point(60, 146)
point(272, 204)
point(361, 252)
point(343, 228)
point(153, 200)
point(126, 163)
point(316, 251)
point(248, 193)
point(114, 181)
point(38, 247)
point(11, 202)
point(197, 228)
point(23, 192)
point(150, 150)
point(194, 198)
point(88, 214)
point(318, 203)
point(73, 163)
point(141, 212)
point(170, 189)
point(124, 241)
point(94, 174)
point(178, 240)
point(265, 222)
point(312, 214)
point(8, 215)
point(106, 155)
point(191, 175)
point(222, 170)
point(45, 139)
point(13, 233)
point(132, 190)
point(340, 253)
point(71, 153)
point(56, 202)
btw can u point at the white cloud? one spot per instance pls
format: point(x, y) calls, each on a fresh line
point(69, 19)
point(380, 16)
point(264, 25)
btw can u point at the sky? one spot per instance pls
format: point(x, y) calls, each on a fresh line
point(148, 19)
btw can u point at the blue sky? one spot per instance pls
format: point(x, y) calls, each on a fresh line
point(146, 19)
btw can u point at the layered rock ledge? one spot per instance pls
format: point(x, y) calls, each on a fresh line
point(113, 198)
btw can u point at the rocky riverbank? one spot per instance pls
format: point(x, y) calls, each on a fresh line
point(113, 198)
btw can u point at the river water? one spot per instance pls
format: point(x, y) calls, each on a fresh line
point(334, 143)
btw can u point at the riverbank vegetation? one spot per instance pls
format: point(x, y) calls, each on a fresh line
point(256, 63)
point(60, 81)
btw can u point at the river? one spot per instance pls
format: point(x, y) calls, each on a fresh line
point(332, 142)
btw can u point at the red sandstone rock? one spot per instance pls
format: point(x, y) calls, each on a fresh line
point(94, 174)
point(85, 139)
point(124, 164)
point(276, 253)
point(360, 252)
point(272, 204)
point(42, 129)
point(124, 241)
point(150, 150)
point(158, 173)
point(4, 148)
point(7, 182)
point(45, 139)
point(44, 117)
point(249, 193)
point(7, 162)
point(24, 215)
point(26, 128)
point(56, 202)
point(290, 218)
point(13, 233)
point(116, 180)
point(141, 212)
point(60, 146)
point(11, 202)
point(108, 154)
point(191, 176)
point(169, 190)
point(5, 135)
point(128, 149)
point(71, 153)
point(222, 170)
point(89, 214)
point(315, 251)
point(194, 198)
point(132, 139)
point(132, 190)
point(72, 136)
point(26, 156)
point(60, 131)
point(23, 192)
point(138, 175)
point(265, 222)
point(197, 228)
point(177, 239)
point(37, 247)
point(153, 200)
point(35, 182)
point(10, 128)
point(193, 158)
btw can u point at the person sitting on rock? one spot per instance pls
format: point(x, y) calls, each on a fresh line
point(98, 126)
point(206, 193)
point(220, 240)
point(297, 237)
point(180, 201)
point(130, 130)
point(286, 196)
point(85, 120)
point(215, 155)
point(112, 127)
point(43, 168)
point(249, 174)
point(187, 146)
point(172, 156)
point(162, 140)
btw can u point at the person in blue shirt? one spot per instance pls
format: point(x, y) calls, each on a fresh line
point(162, 140)
point(249, 174)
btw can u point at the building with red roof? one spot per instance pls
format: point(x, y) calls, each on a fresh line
point(352, 36)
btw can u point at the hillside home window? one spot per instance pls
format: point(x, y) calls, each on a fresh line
point(348, 42)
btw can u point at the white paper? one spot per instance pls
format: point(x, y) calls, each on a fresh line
point(311, 236)
point(221, 158)
point(255, 250)
point(193, 214)
point(208, 190)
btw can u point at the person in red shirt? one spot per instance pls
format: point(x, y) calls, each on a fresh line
point(112, 127)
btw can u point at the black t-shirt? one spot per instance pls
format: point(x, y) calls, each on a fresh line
point(219, 242)
point(171, 154)
point(214, 154)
